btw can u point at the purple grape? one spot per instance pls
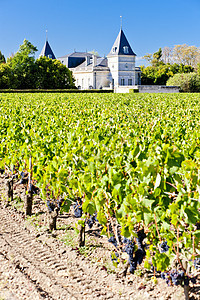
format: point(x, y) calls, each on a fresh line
point(78, 208)
point(197, 263)
point(113, 241)
point(193, 280)
point(50, 205)
point(163, 247)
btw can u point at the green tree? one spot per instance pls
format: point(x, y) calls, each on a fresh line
point(189, 82)
point(6, 76)
point(22, 65)
point(157, 58)
point(22, 71)
point(162, 72)
point(52, 74)
point(2, 58)
point(154, 59)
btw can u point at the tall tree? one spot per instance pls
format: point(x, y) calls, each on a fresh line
point(2, 58)
point(23, 66)
point(186, 55)
point(167, 55)
point(157, 58)
point(6, 76)
point(154, 59)
point(52, 74)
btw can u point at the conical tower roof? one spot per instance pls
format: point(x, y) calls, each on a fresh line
point(121, 46)
point(47, 51)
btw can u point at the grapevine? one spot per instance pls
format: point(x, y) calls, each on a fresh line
point(130, 160)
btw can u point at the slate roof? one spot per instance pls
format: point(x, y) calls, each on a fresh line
point(102, 63)
point(47, 51)
point(77, 54)
point(119, 44)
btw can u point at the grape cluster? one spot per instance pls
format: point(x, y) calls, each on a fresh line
point(140, 252)
point(24, 178)
point(51, 205)
point(92, 220)
point(175, 277)
point(113, 241)
point(59, 203)
point(197, 263)
point(34, 189)
point(163, 247)
point(128, 246)
point(78, 208)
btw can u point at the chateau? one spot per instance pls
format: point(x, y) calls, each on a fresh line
point(93, 72)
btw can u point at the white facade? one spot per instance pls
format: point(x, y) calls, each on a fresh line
point(117, 69)
point(122, 69)
point(92, 74)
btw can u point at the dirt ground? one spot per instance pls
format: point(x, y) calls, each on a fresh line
point(38, 264)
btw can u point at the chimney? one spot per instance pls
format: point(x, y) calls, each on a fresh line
point(87, 61)
point(94, 60)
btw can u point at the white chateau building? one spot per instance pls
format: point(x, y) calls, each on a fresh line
point(94, 72)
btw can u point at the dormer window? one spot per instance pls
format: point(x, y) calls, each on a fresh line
point(114, 49)
point(125, 49)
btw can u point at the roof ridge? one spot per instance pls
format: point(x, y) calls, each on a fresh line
point(121, 45)
point(47, 51)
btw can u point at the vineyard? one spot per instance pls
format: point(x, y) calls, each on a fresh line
point(129, 163)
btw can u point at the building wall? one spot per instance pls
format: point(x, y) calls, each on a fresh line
point(148, 89)
point(114, 69)
point(63, 60)
point(158, 89)
point(122, 68)
point(137, 76)
point(83, 79)
point(102, 79)
point(92, 79)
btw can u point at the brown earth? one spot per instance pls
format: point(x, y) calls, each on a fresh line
point(38, 264)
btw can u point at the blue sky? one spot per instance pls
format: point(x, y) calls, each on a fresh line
point(89, 25)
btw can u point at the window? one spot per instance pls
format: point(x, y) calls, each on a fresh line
point(126, 66)
point(49, 56)
point(129, 81)
point(122, 81)
point(125, 48)
point(114, 49)
point(113, 83)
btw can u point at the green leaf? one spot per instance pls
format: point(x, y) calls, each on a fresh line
point(158, 181)
point(191, 215)
point(88, 207)
point(147, 218)
point(148, 202)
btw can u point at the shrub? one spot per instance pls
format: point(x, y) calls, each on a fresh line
point(188, 82)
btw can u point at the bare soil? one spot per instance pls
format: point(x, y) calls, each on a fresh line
point(38, 264)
